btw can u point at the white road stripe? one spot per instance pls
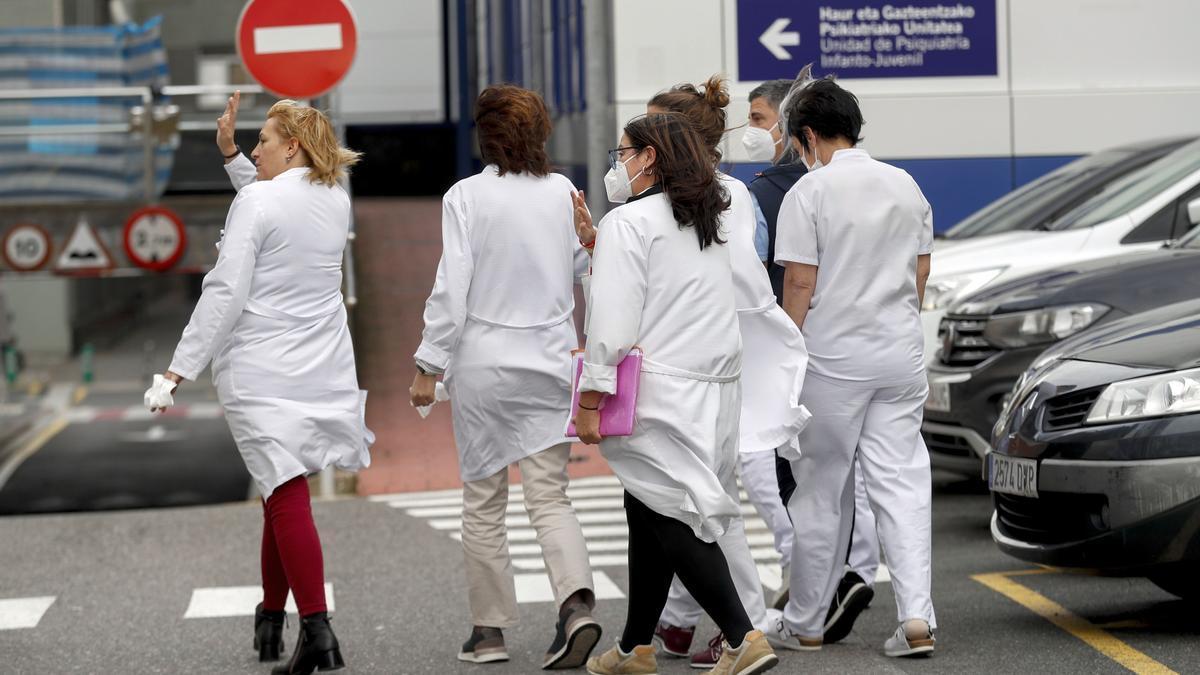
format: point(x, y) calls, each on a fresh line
point(536, 588)
point(601, 546)
point(601, 560)
point(304, 38)
point(578, 504)
point(224, 601)
point(522, 520)
point(18, 613)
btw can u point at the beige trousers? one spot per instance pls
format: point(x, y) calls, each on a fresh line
point(491, 591)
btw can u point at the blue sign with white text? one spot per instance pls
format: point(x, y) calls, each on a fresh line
point(864, 38)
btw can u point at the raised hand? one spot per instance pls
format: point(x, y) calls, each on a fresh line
point(226, 124)
point(583, 218)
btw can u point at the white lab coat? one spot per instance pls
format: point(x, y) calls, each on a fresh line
point(499, 319)
point(653, 287)
point(272, 322)
point(774, 357)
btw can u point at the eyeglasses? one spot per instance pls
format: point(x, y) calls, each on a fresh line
point(614, 155)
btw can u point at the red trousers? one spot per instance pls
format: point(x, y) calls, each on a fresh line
point(291, 550)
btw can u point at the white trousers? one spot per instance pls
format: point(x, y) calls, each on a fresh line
point(864, 543)
point(682, 609)
point(762, 487)
point(883, 424)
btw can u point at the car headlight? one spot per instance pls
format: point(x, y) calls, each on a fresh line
point(1154, 396)
point(1039, 326)
point(943, 292)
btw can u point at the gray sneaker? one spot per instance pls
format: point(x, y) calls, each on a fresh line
point(486, 645)
point(912, 638)
point(575, 638)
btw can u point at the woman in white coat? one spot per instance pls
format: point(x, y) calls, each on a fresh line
point(271, 321)
point(499, 325)
point(661, 280)
point(773, 364)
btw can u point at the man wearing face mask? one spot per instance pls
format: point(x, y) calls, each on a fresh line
point(764, 142)
point(856, 238)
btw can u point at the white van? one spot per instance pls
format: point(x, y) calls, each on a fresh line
point(1142, 210)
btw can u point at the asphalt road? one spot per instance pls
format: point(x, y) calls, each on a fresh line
point(106, 453)
point(122, 582)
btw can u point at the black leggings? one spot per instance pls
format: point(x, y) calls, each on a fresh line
point(660, 548)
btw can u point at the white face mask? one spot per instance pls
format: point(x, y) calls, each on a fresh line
point(759, 144)
point(816, 163)
point(618, 184)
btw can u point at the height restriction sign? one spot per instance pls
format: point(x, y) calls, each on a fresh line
point(300, 49)
point(154, 238)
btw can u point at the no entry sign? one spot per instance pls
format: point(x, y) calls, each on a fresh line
point(154, 238)
point(298, 48)
point(26, 247)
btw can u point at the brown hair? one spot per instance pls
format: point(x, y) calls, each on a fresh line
point(513, 125)
point(704, 109)
point(690, 183)
point(329, 160)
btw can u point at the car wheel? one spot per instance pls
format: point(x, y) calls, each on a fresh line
point(1177, 583)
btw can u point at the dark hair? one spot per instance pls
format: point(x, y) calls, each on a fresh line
point(688, 180)
point(827, 109)
point(772, 90)
point(705, 110)
point(513, 125)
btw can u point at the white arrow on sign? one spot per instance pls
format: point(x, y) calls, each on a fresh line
point(775, 38)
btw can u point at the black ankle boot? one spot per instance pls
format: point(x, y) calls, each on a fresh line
point(268, 633)
point(316, 648)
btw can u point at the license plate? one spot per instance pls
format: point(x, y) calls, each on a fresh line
point(1013, 475)
point(939, 397)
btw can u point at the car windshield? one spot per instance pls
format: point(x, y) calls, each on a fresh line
point(1132, 191)
point(1023, 208)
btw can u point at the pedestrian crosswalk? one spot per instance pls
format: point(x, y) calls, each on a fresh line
point(598, 502)
point(17, 613)
point(224, 601)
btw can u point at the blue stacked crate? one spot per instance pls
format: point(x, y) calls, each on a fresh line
point(78, 166)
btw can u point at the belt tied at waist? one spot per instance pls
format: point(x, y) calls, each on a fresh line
point(544, 324)
point(657, 368)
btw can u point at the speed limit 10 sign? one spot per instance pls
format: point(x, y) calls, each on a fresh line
point(26, 247)
point(154, 238)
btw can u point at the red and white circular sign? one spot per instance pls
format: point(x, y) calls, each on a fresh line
point(26, 247)
point(298, 49)
point(154, 238)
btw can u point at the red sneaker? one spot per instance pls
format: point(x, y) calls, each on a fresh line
point(674, 640)
point(708, 657)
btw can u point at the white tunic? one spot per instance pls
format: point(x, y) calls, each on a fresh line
point(774, 358)
point(499, 318)
point(271, 320)
point(653, 287)
point(862, 223)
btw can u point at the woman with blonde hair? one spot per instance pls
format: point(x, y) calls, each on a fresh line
point(271, 321)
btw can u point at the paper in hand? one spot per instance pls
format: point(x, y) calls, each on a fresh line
point(439, 394)
point(159, 394)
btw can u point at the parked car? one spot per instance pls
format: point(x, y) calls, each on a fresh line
point(1096, 460)
point(1045, 199)
point(988, 340)
point(1139, 211)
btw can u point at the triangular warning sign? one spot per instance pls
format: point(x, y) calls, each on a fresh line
point(84, 251)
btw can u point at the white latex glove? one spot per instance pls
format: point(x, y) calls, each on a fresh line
point(159, 394)
point(439, 394)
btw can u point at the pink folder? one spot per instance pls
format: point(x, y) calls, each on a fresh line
point(616, 410)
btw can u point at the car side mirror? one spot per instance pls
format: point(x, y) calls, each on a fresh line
point(1194, 211)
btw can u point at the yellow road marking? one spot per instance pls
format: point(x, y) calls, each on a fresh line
point(34, 444)
point(81, 392)
point(1077, 626)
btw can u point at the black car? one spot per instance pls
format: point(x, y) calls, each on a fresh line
point(1044, 199)
point(989, 339)
point(1096, 461)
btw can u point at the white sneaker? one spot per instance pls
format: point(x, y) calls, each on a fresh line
point(912, 638)
point(782, 637)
